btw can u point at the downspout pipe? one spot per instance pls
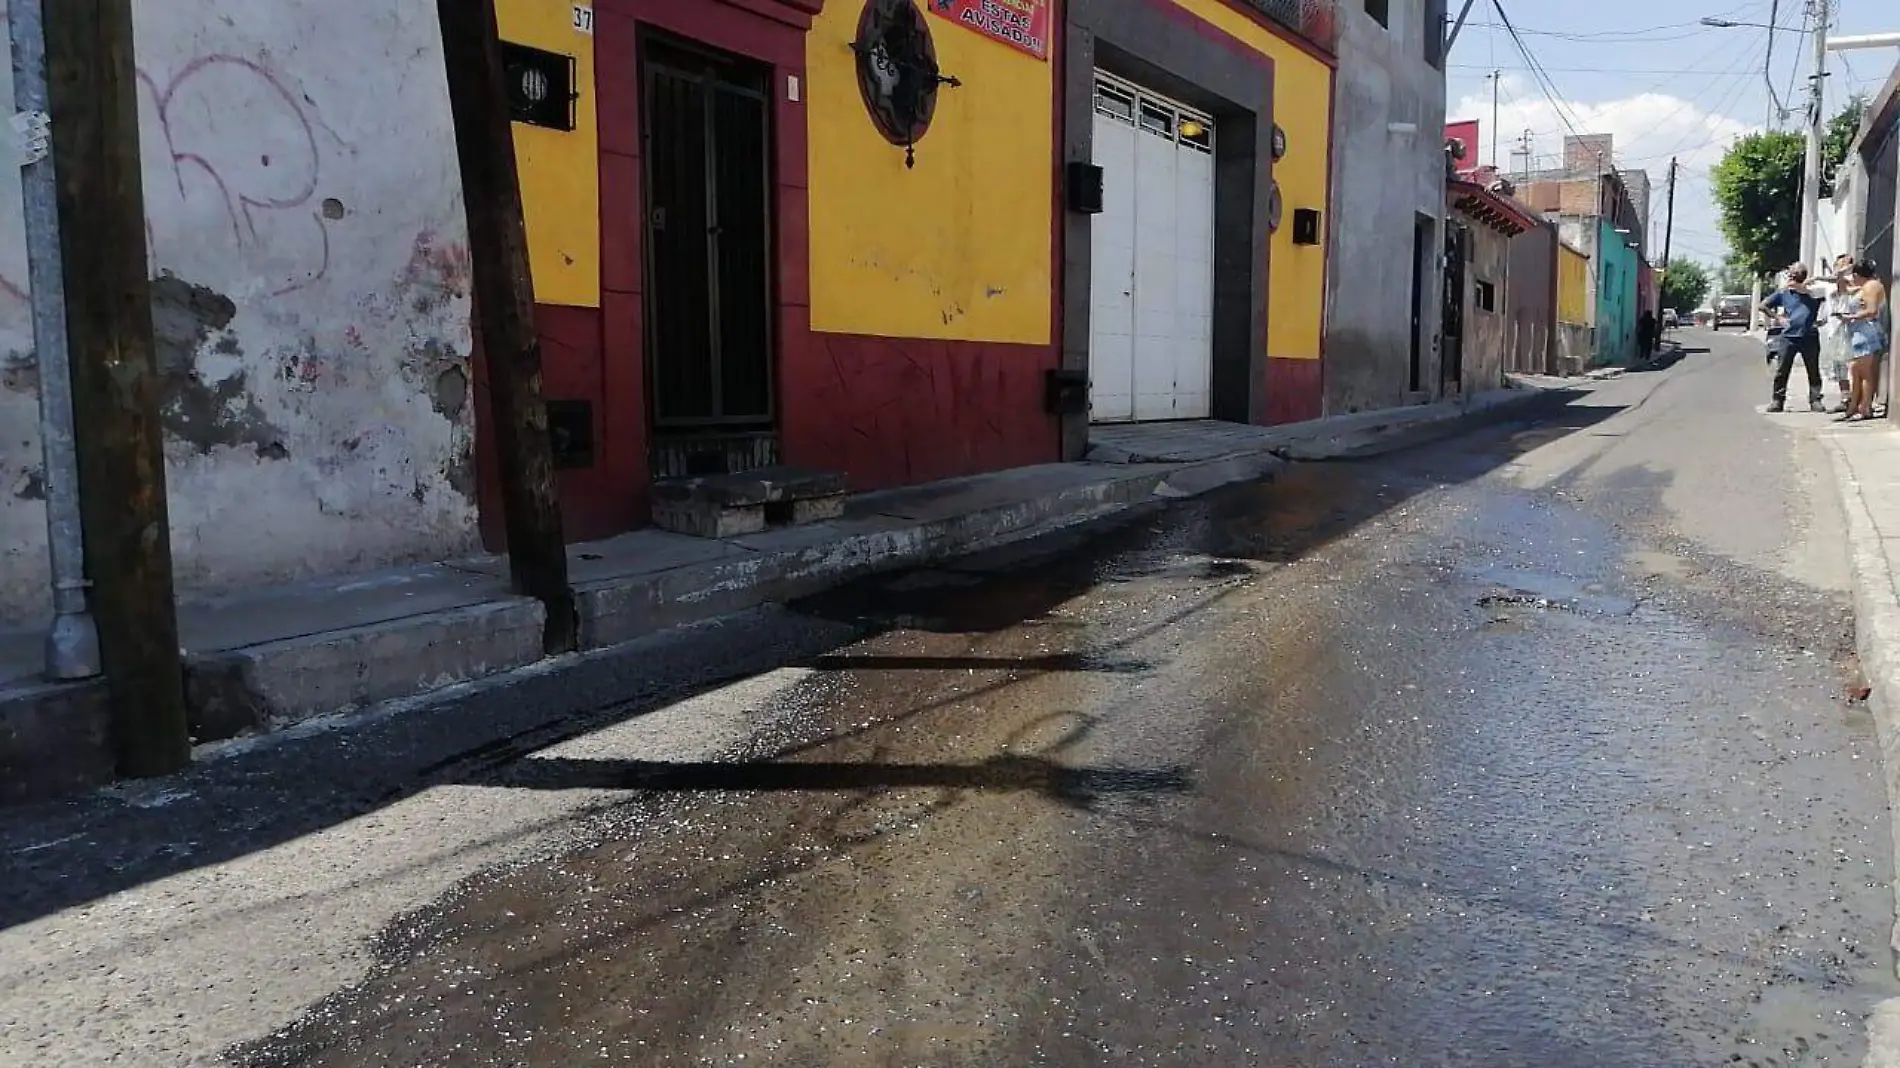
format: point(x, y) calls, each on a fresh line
point(72, 642)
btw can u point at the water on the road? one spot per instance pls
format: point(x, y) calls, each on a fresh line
point(1388, 763)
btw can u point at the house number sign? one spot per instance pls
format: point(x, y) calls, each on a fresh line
point(584, 19)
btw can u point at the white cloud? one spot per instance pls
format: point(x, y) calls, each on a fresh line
point(1648, 128)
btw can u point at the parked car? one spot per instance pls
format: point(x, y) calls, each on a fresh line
point(1731, 310)
point(1670, 320)
point(1704, 316)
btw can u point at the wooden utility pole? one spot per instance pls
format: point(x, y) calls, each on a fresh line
point(504, 312)
point(1669, 228)
point(93, 97)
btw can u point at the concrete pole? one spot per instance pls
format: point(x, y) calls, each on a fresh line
point(72, 642)
point(1811, 168)
point(1497, 77)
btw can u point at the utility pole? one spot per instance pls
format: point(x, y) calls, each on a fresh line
point(504, 308)
point(1811, 169)
point(72, 642)
point(1669, 228)
point(1497, 76)
point(92, 86)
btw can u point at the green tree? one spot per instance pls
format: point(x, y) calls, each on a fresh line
point(1733, 277)
point(1684, 283)
point(1841, 131)
point(1758, 194)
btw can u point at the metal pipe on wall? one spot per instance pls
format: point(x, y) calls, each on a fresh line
point(72, 642)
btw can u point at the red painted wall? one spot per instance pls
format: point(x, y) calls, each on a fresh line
point(887, 411)
point(1466, 131)
point(896, 411)
point(1295, 391)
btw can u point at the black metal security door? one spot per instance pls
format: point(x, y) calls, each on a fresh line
point(708, 240)
point(1451, 356)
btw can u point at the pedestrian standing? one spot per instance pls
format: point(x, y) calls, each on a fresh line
point(1867, 340)
point(1834, 330)
point(1798, 309)
point(1645, 336)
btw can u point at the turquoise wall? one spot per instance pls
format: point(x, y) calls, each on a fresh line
point(1617, 266)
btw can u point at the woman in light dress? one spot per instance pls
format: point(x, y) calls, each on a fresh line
point(1864, 314)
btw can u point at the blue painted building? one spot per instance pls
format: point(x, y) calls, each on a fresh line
point(1617, 306)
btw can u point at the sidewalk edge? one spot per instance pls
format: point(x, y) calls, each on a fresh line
point(1877, 642)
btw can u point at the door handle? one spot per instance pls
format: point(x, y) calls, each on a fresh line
point(657, 218)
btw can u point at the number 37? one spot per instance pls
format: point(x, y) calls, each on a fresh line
point(583, 19)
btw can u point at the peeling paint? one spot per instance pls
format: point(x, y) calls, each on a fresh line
point(294, 218)
point(20, 373)
point(206, 415)
point(451, 393)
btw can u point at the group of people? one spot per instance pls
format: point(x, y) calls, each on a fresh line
point(1851, 319)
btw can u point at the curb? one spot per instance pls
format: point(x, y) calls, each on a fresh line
point(54, 740)
point(1877, 643)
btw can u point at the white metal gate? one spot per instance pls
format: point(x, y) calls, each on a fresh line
point(1151, 285)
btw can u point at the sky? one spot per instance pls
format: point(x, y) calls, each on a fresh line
point(1646, 72)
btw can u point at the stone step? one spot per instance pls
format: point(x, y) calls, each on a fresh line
point(747, 502)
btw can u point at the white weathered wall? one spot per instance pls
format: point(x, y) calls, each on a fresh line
point(1382, 182)
point(310, 298)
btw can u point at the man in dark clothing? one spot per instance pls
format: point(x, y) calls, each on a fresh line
point(1800, 336)
point(1645, 336)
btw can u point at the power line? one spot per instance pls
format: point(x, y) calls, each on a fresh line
point(1538, 75)
point(1737, 75)
point(1673, 71)
point(1655, 34)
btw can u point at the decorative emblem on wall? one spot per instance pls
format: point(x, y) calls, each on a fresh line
point(897, 72)
point(1276, 208)
point(1279, 142)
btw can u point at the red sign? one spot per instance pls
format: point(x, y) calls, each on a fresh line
point(1021, 24)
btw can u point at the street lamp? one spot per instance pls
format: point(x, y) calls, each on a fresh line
point(1729, 24)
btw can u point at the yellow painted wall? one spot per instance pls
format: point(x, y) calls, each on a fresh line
point(1573, 294)
point(1302, 105)
point(560, 170)
point(958, 247)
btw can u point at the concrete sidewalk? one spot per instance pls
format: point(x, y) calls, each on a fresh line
point(1866, 464)
point(266, 659)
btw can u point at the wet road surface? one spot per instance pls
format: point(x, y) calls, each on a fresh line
point(1493, 754)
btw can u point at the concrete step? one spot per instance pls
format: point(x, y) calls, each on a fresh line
point(747, 502)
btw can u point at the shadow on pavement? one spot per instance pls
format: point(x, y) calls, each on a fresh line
point(1004, 772)
point(65, 854)
point(1080, 662)
point(1663, 361)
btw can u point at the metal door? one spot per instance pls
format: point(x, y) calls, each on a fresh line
point(1451, 354)
point(708, 240)
point(1151, 313)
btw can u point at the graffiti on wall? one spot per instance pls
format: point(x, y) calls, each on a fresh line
point(259, 186)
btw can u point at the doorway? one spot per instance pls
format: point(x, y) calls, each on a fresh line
point(706, 129)
point(1151, 300)
point(1451, 359)
point(1424, 242)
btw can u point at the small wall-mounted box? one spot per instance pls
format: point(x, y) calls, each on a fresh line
point(1084, 185)
point(1306, 226)
point(1066, 391)
point(540, 85)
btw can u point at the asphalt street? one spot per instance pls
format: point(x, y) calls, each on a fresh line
point(1532, 747)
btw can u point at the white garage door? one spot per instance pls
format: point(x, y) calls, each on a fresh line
point(1151, 314)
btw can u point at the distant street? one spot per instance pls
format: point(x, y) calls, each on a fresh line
point(1528, 748)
